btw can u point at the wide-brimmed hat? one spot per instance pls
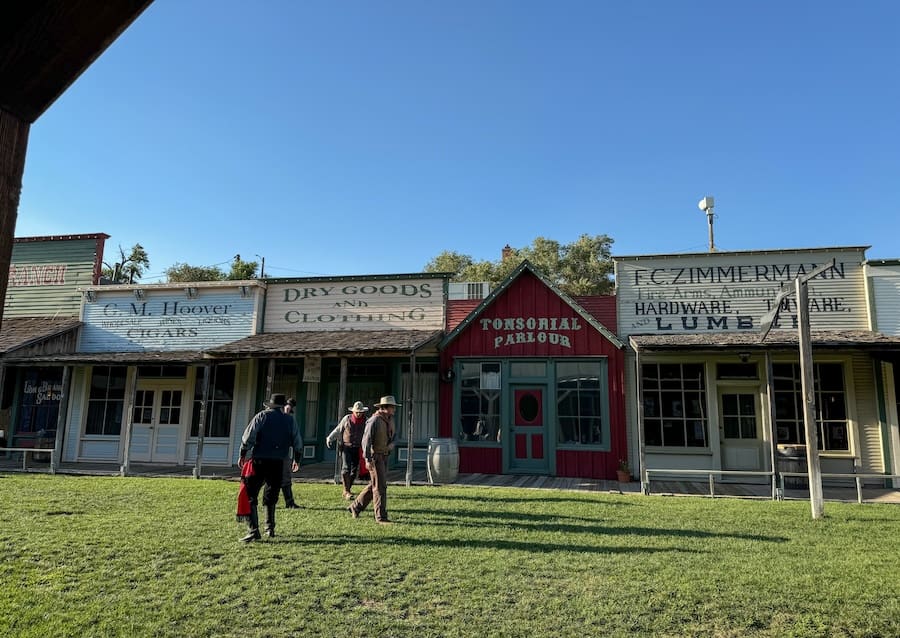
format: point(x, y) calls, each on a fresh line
point(358, 407)
point(387, 400)
point(276, 401)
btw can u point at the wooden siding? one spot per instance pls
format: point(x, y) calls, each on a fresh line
point(721, 292)
point(484, 460)
point(518, 323)
point(600, 307)
point(165, 320)
point(528, 297)
point(886, 292)
point(45, 275)
point(459, 309)
point(77, 399)
point(382, 303)
point(871, 452)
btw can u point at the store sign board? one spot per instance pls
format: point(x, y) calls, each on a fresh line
point(737, 292)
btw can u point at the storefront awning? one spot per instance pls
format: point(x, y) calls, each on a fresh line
point(343, 342)
point(112, 358)
point(20, 333)
point(776, 339)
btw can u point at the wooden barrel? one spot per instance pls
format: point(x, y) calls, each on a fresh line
point(443, 460)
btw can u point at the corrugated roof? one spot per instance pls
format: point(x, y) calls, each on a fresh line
point(288, 344)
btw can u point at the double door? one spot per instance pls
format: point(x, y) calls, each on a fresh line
point(157, 423)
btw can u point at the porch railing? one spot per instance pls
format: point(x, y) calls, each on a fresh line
point(25, 451)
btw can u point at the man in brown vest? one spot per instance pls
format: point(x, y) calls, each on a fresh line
point(377, 444)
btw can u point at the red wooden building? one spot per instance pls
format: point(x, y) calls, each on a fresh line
point(532, 382)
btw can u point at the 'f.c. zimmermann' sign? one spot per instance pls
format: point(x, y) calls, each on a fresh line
point(732, 291)
point(363, 304)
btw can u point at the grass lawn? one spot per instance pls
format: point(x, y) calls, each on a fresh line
point(89, 556)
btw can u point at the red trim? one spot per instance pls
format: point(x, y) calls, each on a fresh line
point(537, 446)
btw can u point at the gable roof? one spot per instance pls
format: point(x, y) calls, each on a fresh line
point(499, 290)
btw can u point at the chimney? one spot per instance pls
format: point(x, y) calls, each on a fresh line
point(506, 252)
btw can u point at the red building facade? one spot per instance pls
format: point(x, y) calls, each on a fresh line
point(532, 383)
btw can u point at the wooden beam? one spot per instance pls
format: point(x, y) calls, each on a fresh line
point(13, 144)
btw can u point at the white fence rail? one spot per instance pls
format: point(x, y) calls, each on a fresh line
point(25, 451)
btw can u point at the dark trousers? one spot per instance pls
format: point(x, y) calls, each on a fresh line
point(376, 490)
point(265, 472)
point(350, 456)
point(286, 481)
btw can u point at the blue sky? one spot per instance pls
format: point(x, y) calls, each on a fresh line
point(343, 138)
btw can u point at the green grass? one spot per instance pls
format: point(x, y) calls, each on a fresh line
point(160, 557)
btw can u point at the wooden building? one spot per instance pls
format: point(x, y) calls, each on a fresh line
point(705, 392)
point(532, 383)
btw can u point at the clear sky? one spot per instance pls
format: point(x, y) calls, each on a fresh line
point(365, 137)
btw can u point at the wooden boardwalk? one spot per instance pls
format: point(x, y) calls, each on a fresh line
point(324, 473)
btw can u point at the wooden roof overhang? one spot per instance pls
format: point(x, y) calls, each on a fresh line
point(177, 357)
point(48, 44)
point(22, 333)
point(866, 340)
point(368, 343)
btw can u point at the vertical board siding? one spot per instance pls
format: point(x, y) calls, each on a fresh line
point(480, 460)
point(77, 399)
point(886, 290)
point(871, 451)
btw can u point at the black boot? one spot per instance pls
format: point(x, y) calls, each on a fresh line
point(270, 520)
point(289, 502)
point(252, 526)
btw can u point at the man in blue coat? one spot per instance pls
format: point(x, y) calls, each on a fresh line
point(267, 443)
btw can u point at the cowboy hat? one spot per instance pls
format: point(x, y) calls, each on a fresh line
point(275, 401)
point(387, 400)
point(358, 407)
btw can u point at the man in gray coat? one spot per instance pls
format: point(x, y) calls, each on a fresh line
point(267, 443)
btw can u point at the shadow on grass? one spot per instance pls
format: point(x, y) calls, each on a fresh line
point(540, 497)
point(548, 523)
point(354, 543)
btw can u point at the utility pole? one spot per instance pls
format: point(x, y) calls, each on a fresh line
point(814, 474)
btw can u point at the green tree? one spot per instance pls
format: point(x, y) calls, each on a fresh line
point(184, 273)
point(583, 267)
point(129, 267)
point(242, 269)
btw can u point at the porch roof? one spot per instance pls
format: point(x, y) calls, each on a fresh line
point(20, 332)
point(776, 339)
point(113, 358)
point(341, 342)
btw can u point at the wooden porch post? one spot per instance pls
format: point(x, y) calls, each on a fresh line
point(204, 411)
point(13, 144)
point(56, 457)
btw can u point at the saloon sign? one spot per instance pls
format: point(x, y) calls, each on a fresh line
point(732, 291)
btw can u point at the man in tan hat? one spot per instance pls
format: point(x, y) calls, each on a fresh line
point(348, 434)
point(377, 444)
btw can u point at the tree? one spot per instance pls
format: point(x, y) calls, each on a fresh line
point(185, 273)
point(583, 267)
point(242, 269)
point(129, 267)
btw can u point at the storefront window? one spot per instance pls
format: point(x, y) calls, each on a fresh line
point(479, 401)
point(831, 405)
point(424, 400)
point(106, 401)
point(674, 405)
point(580, 402)
point(221, 397)
point(41, 394)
